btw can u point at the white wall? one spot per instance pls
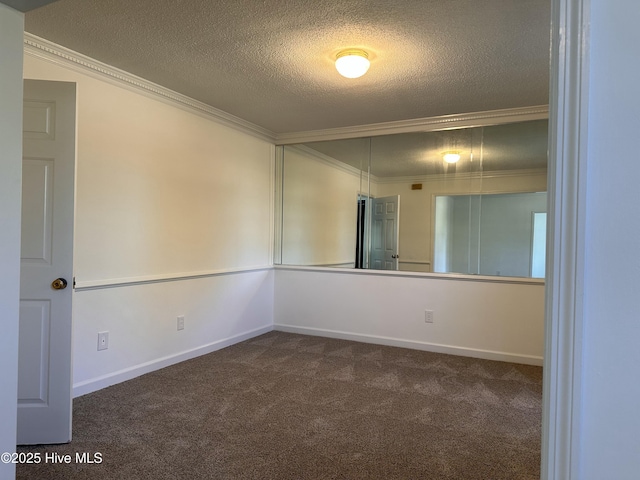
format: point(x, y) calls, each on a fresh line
point(502, 321)
point(141, 320)
point(319, 210)
point(162, 193)
point(161, 190)
point(610, 440)
point(11, 28)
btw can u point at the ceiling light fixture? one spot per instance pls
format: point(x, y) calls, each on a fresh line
point(352, 63)
point(451, 157)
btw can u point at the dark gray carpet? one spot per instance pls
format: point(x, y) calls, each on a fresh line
point(285, 406)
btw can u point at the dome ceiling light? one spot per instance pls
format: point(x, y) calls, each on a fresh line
point(451, 157)
point(352, 63)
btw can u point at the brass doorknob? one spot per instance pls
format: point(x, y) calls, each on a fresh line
point(59, 284)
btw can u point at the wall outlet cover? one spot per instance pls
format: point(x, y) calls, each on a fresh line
point(103, 340)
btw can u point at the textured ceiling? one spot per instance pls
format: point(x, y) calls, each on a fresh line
point(270, 62)
point(514, 146)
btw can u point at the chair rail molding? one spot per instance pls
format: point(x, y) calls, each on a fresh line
point(82, 285)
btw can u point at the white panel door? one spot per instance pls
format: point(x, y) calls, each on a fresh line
point(48, 168)
point(385, 233)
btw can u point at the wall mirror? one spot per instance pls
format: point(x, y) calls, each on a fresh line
point(465, 200)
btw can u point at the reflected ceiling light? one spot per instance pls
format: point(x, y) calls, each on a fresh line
point(451, 157)
point(352, 63)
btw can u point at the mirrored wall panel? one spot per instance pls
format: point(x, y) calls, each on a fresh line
point(469, 200)
point(491, 234)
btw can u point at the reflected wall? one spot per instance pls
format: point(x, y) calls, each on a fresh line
point(320, 204)
point(491, 234)
point(378, 202)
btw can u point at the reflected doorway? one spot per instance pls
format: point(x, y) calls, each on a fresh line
point(361, 232)
point(377, 240)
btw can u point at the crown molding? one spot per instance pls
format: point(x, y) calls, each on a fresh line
point(466, 176)
point(327, 160)
point(59, 55)
point(437, 177)
point(427, 124)
point(44, 49)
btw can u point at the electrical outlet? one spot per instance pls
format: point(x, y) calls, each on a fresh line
point(103, 340)
point(181, 322)
point(428, 316)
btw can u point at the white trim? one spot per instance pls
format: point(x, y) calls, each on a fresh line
point(425, 346)
point(129, 281)
point(565, 255)
point(326, 160)
point(59, 55)
point(278, 205)
point(443, 177)
point(427, 124)
point(347, 264)
point(273, 185)
point(426, 275)
point(95, 384)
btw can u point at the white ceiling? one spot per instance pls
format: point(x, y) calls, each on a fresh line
point(270, 62)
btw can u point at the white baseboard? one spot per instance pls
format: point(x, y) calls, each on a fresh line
point(95, 384)
point(429, 347)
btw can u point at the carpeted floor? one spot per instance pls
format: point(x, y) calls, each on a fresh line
point(286, 406)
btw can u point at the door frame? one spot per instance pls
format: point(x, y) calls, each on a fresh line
point(363, 227)
point(566, 218)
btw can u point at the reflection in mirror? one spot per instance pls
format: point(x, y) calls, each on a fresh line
point(498, 234)
point(320, 204)
point(379, 202)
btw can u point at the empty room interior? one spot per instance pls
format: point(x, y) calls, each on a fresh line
point(240, 261)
